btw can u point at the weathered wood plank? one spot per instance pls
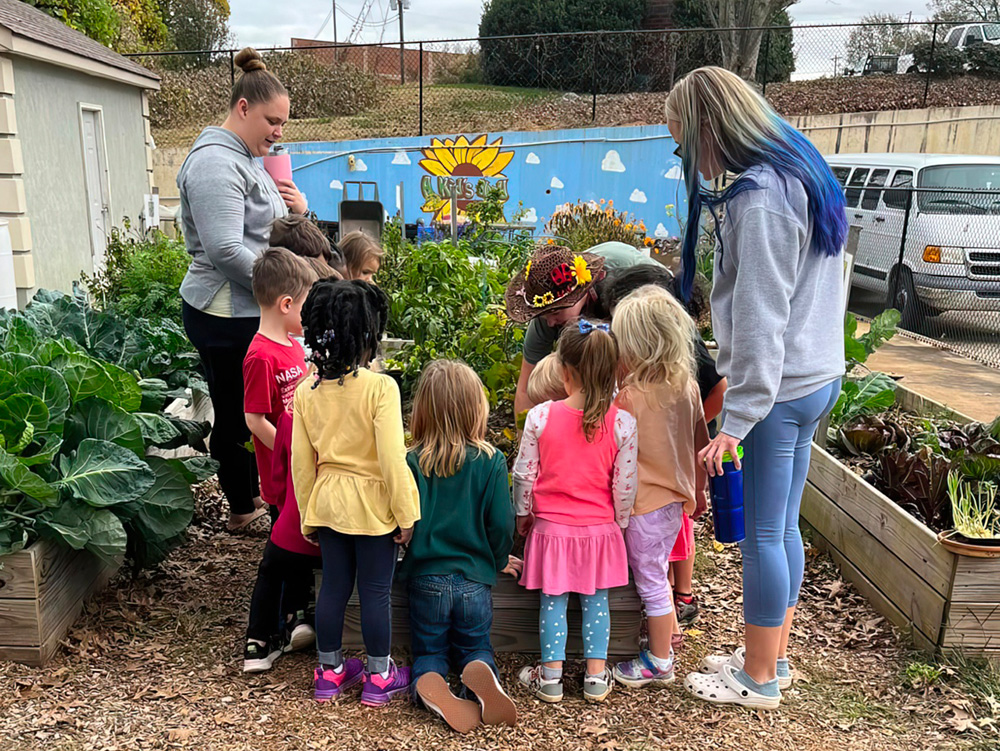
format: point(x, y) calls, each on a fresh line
point(63, 599)
point(870, 592)
point(17, 572)
point(20, 623)
point(915, 402)
point(973, 627)
point(977, 580)
point(896, 582)
point(905, 536)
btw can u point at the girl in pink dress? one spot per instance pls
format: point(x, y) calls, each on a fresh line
point(574, 486)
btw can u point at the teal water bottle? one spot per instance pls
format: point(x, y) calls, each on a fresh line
point(727, 501)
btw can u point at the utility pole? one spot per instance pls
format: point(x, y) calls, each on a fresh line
point(402, 67)
point(334, 21)
point(836, 58)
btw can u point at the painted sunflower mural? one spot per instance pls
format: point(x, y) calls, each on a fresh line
point(465, 167)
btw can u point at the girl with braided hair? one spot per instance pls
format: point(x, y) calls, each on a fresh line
point(356, 495)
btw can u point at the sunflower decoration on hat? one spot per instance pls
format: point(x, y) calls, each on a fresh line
point(555, 277)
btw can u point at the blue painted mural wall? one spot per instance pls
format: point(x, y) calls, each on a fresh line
point(633, 166)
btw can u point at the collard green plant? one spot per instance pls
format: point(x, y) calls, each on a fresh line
point(74, 436)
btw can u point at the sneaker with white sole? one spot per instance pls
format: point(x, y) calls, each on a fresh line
point(642, 671)
point(713, 664)
point(301, 634)
point(497, 707)
point(597, 688)
point(461, 715)
point(724, 688)
point(259, 658)
point(550, 691)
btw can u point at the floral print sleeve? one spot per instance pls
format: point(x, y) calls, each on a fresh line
point(526, 467)
point(625, 480)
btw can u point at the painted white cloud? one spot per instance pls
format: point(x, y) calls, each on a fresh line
point(336, 185)
point(557, 183)
point(675, 173)
point(530, 216)
point(612, 162)
point(359, 165)
point(637, 196)
point(532, 158)
point(661, 232)
point(401, 158)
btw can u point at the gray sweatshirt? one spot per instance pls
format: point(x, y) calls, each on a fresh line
point(228, 203)
point(777, 305)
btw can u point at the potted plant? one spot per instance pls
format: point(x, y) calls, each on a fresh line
point(976, 514)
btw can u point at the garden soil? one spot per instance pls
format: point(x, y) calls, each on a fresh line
point(155, 663)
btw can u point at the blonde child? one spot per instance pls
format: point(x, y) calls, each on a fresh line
point(656, 340)
point(362, 255)
point(463, 539)
point(273, 366)
point(545, 384)
point(301, 236)
point(354, 490)
point(573, 480)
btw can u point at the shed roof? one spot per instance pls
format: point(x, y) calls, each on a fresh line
point(23, 20)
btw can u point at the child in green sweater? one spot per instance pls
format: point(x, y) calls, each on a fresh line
point(463, 538)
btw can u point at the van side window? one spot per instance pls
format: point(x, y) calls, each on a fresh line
point(955, 36)
point(896, 199)
point(842, 173)
point(854, 193)
point(974, 36)
point(877, 180)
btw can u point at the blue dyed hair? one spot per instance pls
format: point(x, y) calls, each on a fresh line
point(747, 133)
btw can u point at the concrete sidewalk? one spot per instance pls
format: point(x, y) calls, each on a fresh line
point(962, 384)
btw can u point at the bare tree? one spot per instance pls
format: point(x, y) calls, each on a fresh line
point(957, 11)
point(882, 34)
point(740, 23)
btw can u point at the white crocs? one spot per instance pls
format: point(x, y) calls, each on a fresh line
point(712, 664)
point(723, 688)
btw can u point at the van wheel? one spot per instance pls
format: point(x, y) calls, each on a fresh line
point(913, 69)
point(912, 312)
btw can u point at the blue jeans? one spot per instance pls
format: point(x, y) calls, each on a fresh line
point(778, 450)
point(450, 621)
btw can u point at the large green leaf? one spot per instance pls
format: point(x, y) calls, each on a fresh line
point(12, 539)
point(96, 418)
point(48, 350)
point(123, 390)
point(157, 430)
point(16, 476)
point(20, 337)
point(102, 473)
point(15, 362)
point(79, 526)
point(31, 408)
point(199, 468)
point(84, 375)
point(49, 386)
point(16, 431)
point(7, 381)
point(165, 510)
point(41, 451)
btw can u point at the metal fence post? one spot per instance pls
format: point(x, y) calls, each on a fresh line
point(930, 63)
point(894, 278)
point(232, 68)
point(593, 79)
point(767, 55)
point(420, 127)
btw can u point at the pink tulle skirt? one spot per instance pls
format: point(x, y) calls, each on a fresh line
point(560, 558)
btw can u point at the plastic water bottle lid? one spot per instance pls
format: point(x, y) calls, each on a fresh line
point(727, 458)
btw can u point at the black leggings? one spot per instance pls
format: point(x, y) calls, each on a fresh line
point(284, 580)
point(222, 344)
point(370, 560)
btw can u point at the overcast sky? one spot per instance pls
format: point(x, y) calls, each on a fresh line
point(264, 23)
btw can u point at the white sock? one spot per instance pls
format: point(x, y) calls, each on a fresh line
point(661, 663)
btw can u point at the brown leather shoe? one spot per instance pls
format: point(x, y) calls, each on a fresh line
point(498, 708)
point(460, 714)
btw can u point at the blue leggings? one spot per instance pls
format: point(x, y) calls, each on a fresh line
point(774, 475)
point(596, 625)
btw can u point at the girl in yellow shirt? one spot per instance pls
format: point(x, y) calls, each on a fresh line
point(355, 493)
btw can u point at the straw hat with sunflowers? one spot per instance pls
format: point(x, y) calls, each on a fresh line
point(555, 277)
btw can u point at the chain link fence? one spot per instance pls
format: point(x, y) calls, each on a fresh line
point(549, 81)
point(932, 253)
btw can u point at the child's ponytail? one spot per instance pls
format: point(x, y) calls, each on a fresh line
point(590, 349)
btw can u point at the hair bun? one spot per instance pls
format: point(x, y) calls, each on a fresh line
point(248, 60)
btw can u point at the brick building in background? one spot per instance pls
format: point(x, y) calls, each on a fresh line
point(659, 14)
point(383, 59)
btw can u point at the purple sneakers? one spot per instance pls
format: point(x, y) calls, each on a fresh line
point(328, 684)
point(642, 671)
point(377, 690)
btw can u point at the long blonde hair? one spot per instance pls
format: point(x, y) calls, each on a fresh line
point(655, 340)
point(717, 109)
point(450, 411)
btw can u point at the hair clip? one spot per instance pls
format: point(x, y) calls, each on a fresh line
point(327, 337)
point(586, 326)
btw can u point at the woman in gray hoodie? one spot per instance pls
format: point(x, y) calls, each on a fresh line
point(777, 313)
point(228, 203)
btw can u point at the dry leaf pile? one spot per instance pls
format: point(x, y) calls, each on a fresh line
point(155, 663)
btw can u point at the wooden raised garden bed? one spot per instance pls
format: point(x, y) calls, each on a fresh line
point(946, 602)
point(515, 620)
point(42, 590)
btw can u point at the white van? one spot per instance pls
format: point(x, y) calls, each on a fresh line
point(950, 259)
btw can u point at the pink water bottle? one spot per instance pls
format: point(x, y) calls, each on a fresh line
point(278, 165)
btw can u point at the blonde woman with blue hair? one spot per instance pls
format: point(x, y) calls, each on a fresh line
point(778, 318)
